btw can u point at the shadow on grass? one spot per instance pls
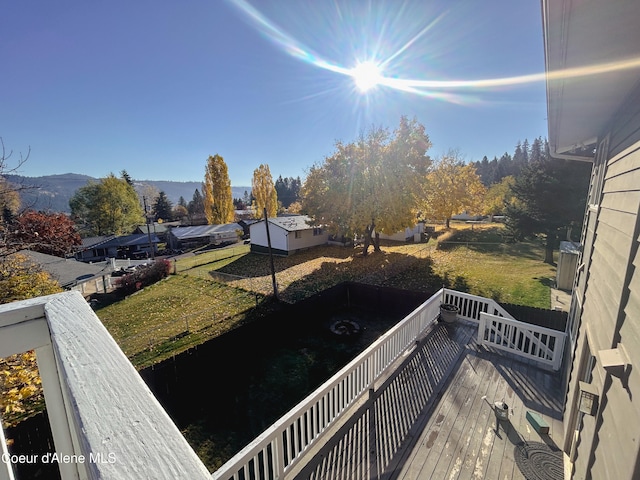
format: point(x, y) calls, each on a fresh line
point(527, 250)
point(163, 348)
point(394, 270)
point(547, 282)
point(300, 355)
point(257, 265)
point(493, 241)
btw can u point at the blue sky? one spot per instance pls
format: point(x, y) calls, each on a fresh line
point(156, 86)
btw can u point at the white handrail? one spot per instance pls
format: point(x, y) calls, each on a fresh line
point(471, 306)
point(531, 341)
point(104, 418)
point(279, 447)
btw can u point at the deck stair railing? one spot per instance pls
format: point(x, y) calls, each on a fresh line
point(541, 344)
point(280, 450)
point(498, 329)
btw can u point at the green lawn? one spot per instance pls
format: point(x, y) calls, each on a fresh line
point(188, 308)
point(175, 314)
point(192, 261)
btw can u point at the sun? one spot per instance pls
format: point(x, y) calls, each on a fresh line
point(366, 75)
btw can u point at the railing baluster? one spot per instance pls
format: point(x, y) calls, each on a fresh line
point(304, 424)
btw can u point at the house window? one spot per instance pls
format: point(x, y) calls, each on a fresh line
point(298, 234)
point(317, 231)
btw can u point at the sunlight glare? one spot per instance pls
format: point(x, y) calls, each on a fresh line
point(366, 75)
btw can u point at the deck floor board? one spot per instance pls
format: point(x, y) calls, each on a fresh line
point(434, 417)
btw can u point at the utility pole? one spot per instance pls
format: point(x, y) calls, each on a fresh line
point(273, 270)
point(147, 216)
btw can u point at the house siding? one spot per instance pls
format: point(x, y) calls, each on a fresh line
point(276, 234)
point(284, 242)
point(307, 240)
point(609, 442)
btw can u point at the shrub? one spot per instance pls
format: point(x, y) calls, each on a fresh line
point(144, 275)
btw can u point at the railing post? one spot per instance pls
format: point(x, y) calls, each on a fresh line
point(558, 351)
point(6, 470)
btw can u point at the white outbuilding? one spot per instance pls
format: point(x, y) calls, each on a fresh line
point(288, 235)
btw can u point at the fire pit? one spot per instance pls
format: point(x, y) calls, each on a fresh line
point(345, 327)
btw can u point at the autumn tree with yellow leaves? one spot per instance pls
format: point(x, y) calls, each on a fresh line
point(20, 386)
point(370, 186)
point(264, 193)
point(498, 196)
point(450, 188)
point(218, 199)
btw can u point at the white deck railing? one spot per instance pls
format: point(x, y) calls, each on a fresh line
point(497, 328)
point(105, 421)
point(471, 306)
point(278, 449)
point(541, 344)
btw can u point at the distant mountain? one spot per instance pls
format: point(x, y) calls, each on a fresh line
point(52, 192)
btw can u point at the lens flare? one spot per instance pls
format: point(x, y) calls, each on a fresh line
point(368, 74)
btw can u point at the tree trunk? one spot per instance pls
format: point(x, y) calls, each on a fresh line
point(376, 243)
point(368, 240)
point(447, 222)
point(365, 248)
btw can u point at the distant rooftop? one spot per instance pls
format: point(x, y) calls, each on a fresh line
point(68, 272)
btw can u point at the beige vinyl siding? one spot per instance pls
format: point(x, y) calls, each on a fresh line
point(611, 313)
point(626, 129)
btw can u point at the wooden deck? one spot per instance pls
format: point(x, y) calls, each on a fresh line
point(433, 418)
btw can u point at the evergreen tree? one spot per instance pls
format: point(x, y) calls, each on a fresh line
point(288, 190)
point(525, 151)
point(195, 207)
point(247, 198)
point(537, 150)
point(126, 177)
point(503, 167)
point(163, 208)
point(520, 158)
point(550, 199)
point(484, 171)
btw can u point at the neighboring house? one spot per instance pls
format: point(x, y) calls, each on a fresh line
point(288, 235)
point(245, 214)
point(200, 235)
point(160, 229)
point(245, 224)
point(128, 246)
point(466, 216)
point(72, 274)
point(593, 113)
point(91, 247)
point(408, 234)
